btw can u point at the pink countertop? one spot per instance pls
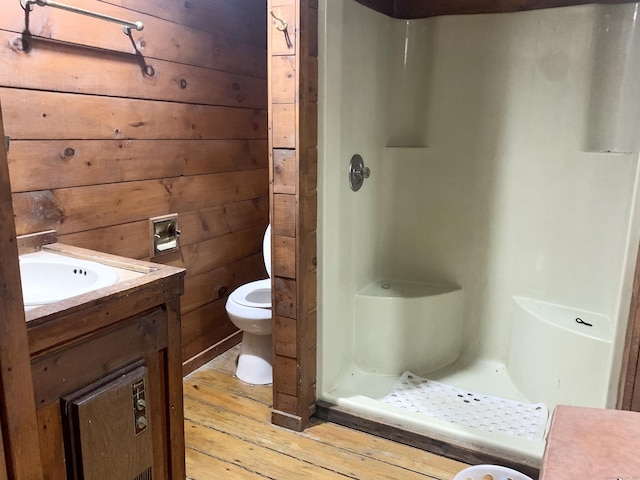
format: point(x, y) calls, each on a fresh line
point(592, 443)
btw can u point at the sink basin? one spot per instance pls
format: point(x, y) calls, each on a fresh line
point(48, 278)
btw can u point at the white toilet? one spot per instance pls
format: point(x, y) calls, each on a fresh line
point(249, 308)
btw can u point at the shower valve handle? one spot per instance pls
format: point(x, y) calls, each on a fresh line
point(362, 172)
point(357, 172)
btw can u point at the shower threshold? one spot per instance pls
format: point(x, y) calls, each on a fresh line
point(357, 401)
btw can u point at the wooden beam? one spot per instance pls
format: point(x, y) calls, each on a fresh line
point(293, 97)
point(408, 9)
point(382, 6)
point(18, 419)
point(417, 9)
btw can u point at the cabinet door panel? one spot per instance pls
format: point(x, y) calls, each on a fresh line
point(109, 432)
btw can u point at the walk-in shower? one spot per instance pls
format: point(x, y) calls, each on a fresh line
point(488, 258)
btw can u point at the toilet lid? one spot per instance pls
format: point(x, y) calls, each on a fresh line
point(254, 294)
point(266, 249)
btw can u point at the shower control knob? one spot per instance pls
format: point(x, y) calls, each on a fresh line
point(357, 172)
point(141, 422)
point(365, 172)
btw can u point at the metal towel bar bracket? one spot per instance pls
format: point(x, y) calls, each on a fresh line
point(127, 26)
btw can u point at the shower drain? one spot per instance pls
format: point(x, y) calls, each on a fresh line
point(483, 412)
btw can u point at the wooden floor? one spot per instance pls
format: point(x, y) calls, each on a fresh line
point(229, 436)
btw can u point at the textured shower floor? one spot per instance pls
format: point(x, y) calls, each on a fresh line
point(362, 392)
point(462, 406)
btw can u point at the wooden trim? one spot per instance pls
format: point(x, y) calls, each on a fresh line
point(156, 366)
point(33, 242)
point(89, 359)
point(210, 353)
point(175, 408)
point(460, 451)
point(287, 420)
point(408, 9)
point(383, 6)
point(52, 440)
point(629, 372)
point(18, 421)
point(293, 136)
point(411, 9)
point(49, 331)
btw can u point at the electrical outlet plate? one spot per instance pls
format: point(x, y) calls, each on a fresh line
point(165, 235)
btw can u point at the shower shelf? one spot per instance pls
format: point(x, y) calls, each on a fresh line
point(610, 153)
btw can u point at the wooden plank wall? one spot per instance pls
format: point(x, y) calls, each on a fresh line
point(293, 96)
point(109, 130)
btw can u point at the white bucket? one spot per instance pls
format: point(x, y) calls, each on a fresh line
point(490, 472)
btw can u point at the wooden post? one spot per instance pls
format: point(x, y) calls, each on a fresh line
point(174, 391)
point(293, 97)
point(17, 403)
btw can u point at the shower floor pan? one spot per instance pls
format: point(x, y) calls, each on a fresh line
point(460, 406)
point(357, 400)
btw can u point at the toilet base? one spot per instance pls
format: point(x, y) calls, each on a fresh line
point(254, 362)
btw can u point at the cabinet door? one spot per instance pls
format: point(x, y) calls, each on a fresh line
point(109, 428)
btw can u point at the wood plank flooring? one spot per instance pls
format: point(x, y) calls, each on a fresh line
point(229, 436)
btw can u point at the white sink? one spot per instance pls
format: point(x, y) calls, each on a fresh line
point(48, 278)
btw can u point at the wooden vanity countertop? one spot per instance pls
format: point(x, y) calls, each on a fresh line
point(149, 286)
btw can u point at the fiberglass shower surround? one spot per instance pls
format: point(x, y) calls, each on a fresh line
point(499, 213)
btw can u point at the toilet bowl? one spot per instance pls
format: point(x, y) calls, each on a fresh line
point(249, 308)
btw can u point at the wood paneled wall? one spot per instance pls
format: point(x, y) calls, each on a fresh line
point(421, 9)
point(109, 130)
point(293, 96)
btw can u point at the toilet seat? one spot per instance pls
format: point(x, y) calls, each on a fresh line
point(254, 294)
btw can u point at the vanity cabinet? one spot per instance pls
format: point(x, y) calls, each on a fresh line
point(107, 375)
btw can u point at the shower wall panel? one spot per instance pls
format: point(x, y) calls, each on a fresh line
point(505, 200)
point(500, 198)
point(353, 41)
